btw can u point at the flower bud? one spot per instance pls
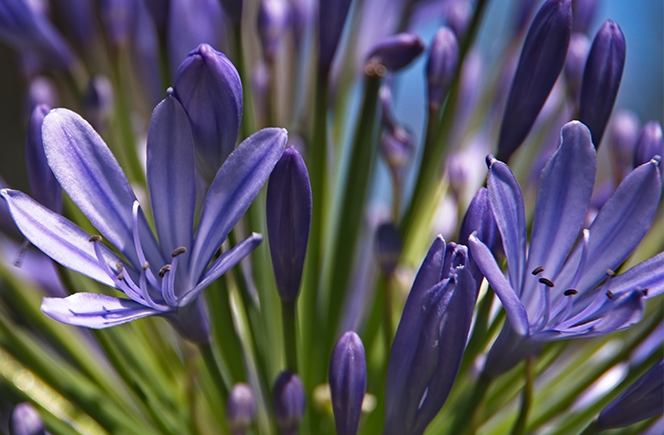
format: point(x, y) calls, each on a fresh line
point(542, 59)
point(117, 15)
point(240, 408)
point(300, 16)
point(479, 220)
point(78, 20)
point(209, 88)
point(579, 46)
point(273, 23)
point(623, 135)
point(288, 212)
point(441, 65)
point(397, 51)
point(348, 382)
point(288, 399)
point(388, 247)
point(98, 102)
point(42, 90)
point(331, 19)
point(233, 9)
point(642, 400)
point(43, 185)
point(601, 79)
point(457, 15)
point(650, 143)
point(25, 420)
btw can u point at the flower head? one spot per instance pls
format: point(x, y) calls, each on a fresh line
point(161, 275)
point(554, 291)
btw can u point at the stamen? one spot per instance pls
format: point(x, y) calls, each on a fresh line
point(609, 294)
point(139, 247)
point(121, 276)
point(119, 266)
point(570, 292)
point(610, 273)
point(546, 282)
point(95, 238)
point(178, 251)
point(163, 270)
point(145, 265)
point(120, 283)
point(538, 270)
point(645, 292)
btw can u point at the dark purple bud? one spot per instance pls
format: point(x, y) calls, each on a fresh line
point(240, 409)
point(273, 23)
point(623, 134)
point(429, 343)
point(579, 46)
point(542, 59)
point(288, 210)
point(25, 420)
point(397, 51)
point(388, 247)
point(479, 220)
point(43, 185)
point(26, 29)
point(42, 90)
point(117, 16)
point(209, 88)
point(348, 382)
point(650, 143)
point(233, 9)
point(583, 12)
point(331, 19)
point(397, 146)
point(78, 20)
point(145, 55)
point(158, 10)
point(643, 399)
point(457, 15)
point(441, 65)
point(288, 400)
point(601, 79)
point(300, 16)
point(190, 23)
point(98, 102)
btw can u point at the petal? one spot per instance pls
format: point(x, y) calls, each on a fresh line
point(233, 190)
point(88, 172)
point(618, 228)
point(171, 176)
point(487, 264)
point(507, 207)
point(94, 310)
point(565, 188)
point(646, 275)
point(58, 237)
point(222, 265)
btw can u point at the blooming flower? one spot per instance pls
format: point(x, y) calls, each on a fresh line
point(163, 275)
point(552, 293)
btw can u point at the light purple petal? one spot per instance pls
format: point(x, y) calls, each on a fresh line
point(646, 275)
point(233, 190)
point(516, 312)
point(93, 310)
point(507, 207)
point(223, 264)
point(565, 188)
point(57, 237)
point(618, 228)
point(171, 176)
point(88, 172)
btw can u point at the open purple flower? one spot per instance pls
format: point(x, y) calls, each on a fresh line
point(554, 291)
point(161, 275)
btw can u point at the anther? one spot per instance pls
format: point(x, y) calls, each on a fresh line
point(609, 294)
point(645, 292)
point(538, 270)
point(163, 270)
point(546, 282)
point(121, 276)
point(178, 251)
point(95, 238)
point(145, 265)
point(119, 266)
point(610, 273)
point(570, 292)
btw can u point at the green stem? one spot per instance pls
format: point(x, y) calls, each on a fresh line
point(592, 429)
point(468, 413)
point(222, 382)
point(388, 324)
point(289, 322)
point(526, 398)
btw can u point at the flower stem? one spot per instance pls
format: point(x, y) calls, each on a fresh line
point(468, 414)
point(592, 429)
point(289, 320)
point(221, 382)
point(526, 398)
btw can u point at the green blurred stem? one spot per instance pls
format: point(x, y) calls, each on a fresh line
point(480, 336)
point(526, 397)
point(222, 384)
point(469, 411)
point(289, 322)
point(592, 429)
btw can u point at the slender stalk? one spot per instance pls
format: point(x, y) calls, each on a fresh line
point(289, 321)
point(468, 413)
point(220, 379)
point(592, 429)
point(526, 398)
point(388, 326)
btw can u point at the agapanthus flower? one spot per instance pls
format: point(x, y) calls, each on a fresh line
point(555, 291)
point(161, 275)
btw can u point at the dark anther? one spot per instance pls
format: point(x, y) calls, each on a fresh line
point(178, 251)
point(645, 292)
point(163, 270)
point(610, 273)
point(145, 265)
point(119, 266)
point(570, 292)
point(538, 270)
point(609, 294)
point(121, 276)
point(546, 282)
point(95, 238)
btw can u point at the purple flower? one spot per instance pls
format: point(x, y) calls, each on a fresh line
point(273, 23)
point(649, 144)
point(348, 382)
point(397, 51)
point(161, 275)
point(25, 420)
point(288, 399)
point(331, 19)
point(429, 343)
point(554, 292)
point(45, 189)
point(240, 408)
point(441, 65)
point(642, 400)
